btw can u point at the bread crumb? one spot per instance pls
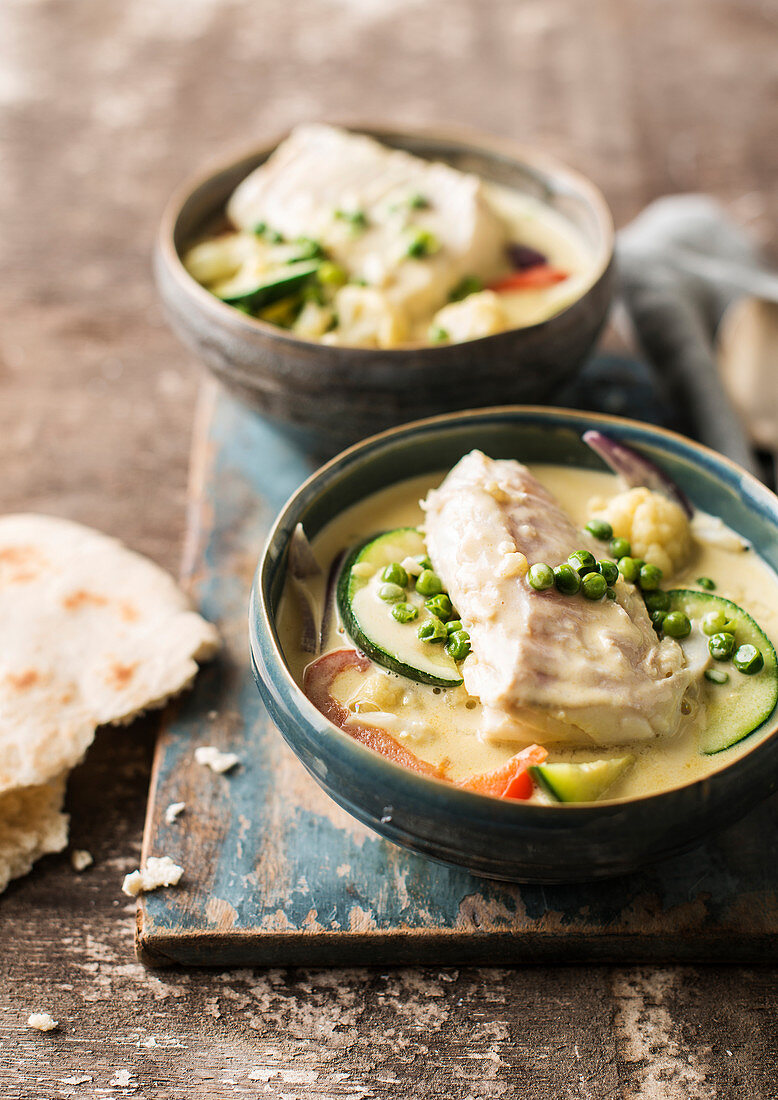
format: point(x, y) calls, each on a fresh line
point(122, 1079)
point(159, 871)
point(83, 1080)
point(173, 811)
point(42, 1021)
point(211, 757)
point(80, 859)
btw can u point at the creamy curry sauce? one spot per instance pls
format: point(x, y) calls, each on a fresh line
point(440, 725)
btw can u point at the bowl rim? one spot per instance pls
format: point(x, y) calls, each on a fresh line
point(496, 146)
point(262, 629)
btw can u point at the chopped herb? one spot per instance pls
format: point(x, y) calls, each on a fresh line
point(422, 243)
point(438, 335)
point(309, 250)
point(419, 202)
point(357, 219)
point(471, 284)
point(706, 583)
point(261, 229)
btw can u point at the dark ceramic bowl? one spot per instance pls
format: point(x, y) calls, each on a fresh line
point(330, 397)
point(509, 840)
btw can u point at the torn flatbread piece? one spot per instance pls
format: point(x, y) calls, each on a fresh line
point(91, 633)
point(32, 825)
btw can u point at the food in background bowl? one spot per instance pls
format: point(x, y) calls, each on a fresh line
point(340, 239)
point(544, 633)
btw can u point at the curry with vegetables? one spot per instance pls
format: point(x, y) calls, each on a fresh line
point(339, 239)
point(540, 633)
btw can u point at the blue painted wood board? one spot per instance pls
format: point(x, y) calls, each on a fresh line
point(277, 874)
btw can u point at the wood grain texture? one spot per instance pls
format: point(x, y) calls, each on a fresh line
point(104, 108)
point(276, 874)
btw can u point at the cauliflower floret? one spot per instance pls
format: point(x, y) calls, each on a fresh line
point(221, 258)
point(656, 527)
point(313, 320)
point(477, 315)
point(366, 318)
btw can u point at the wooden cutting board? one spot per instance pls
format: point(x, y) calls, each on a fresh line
point(277, 874)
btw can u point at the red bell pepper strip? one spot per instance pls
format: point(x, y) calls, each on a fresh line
point(512, 780)
point(317, 682)
point(534, 278)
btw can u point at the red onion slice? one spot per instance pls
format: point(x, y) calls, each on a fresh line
point(635, 469)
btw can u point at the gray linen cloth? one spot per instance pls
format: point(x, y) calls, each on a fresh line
point(680, 264)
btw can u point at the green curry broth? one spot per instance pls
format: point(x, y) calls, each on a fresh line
point(441, 724)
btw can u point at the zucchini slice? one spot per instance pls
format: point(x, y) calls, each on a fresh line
point(368, 619)
point(580, 782)
point(256, 291)
point(744, 703)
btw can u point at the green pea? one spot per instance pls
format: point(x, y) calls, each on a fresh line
point(658, 618)
point(721, 646)
point(609, 570)
point(619, 548)
point(331, 274)
point(391, 592)
point(629, 569)
point(458, 645)
point(714, 622)
point(440, 606)
point(405, 612)
point(566, 579)
point(716, 675)
point(428, 583)
point(748, 660)
point(650, 577)
point(676, 625)
point(657, 600)
point(453, 625)
point(593, 586)
point(583, 562)
point(432, 630)
point(706, 583)
point(422, 243)
point(471, 284)
point(540, 576)
point(600, 528)
point(395, 574)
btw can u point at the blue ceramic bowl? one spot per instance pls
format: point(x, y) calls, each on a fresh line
point(508, 840)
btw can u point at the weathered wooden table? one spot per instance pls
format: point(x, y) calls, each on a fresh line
point(104, 109)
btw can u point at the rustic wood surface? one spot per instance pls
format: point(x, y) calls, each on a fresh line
point(104, 108)
point(277, 874)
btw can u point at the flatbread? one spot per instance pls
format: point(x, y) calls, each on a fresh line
point(90, 633)
point(31, 825)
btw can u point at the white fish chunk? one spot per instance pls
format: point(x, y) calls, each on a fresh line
point(545, 666)
point(321, 169)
